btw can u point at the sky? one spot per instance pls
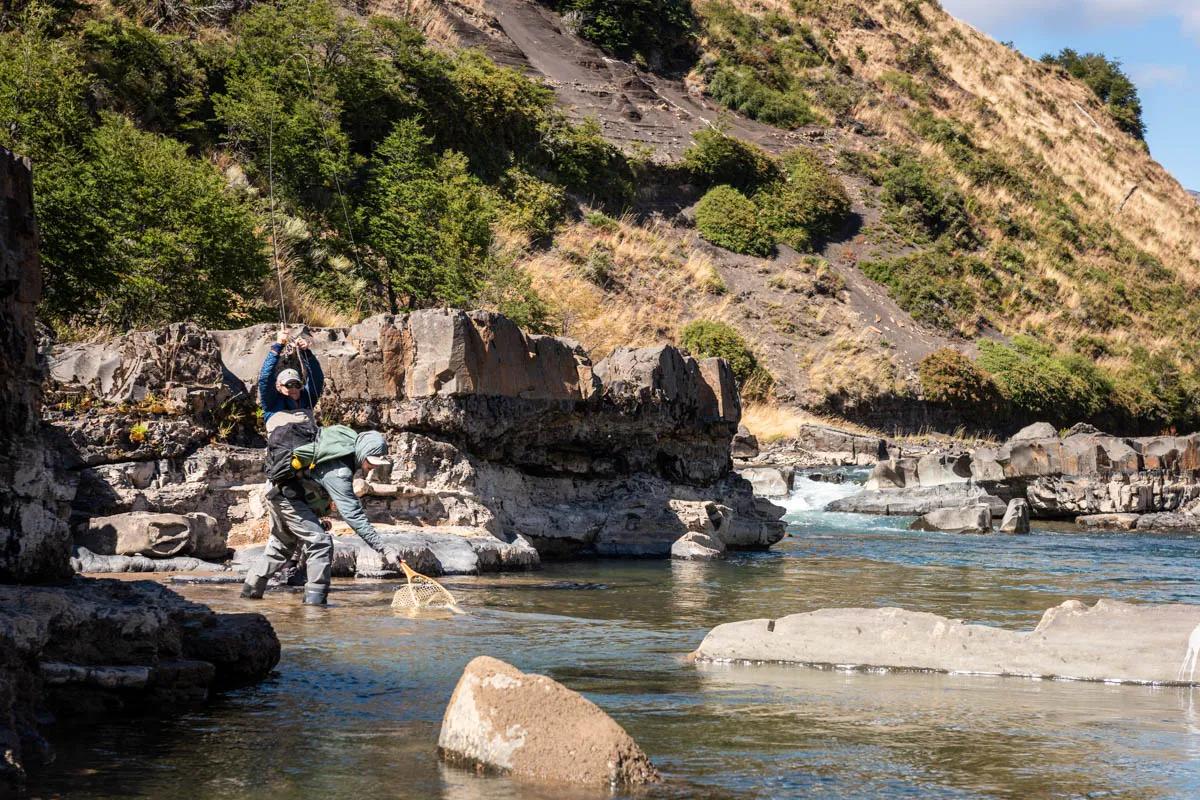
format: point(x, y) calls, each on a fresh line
point(1157, 41)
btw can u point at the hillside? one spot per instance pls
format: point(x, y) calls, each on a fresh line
point(989, 206)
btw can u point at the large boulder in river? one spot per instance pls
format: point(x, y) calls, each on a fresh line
point(1110, 641)
point(534, 728)
point(968, 519)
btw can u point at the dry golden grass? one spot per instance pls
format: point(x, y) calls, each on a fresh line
point(771, 422)
point(623, 284)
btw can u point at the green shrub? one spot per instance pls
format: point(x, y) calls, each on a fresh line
point(809, 205)
point(709, 338)
point(741, 89)
point(931, 285)
point(950, 378)
point(136, 233)
point(923, 205)
point(716, 158)
point(1042, 384)
point(507, 288)
point(729, 219)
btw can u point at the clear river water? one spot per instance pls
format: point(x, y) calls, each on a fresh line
point(355, 706)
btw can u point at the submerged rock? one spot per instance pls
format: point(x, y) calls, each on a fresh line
point(534, 728)
point(967, 519)
point(1110, 641)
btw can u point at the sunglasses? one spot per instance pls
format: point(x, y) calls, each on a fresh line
point(293, 385)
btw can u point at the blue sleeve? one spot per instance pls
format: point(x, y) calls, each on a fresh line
point(268, 397)
point(338, 480)
point(316, 377)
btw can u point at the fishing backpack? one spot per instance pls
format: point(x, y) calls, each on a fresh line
point(294, 449)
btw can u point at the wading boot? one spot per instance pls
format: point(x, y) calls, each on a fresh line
point(316, 597)
point(253, 589)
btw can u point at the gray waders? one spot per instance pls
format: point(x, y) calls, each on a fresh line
point(293, 526)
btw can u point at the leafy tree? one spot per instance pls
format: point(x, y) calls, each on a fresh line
point(43, 89)
point(426, 220)
point(136, 233)
point(1043, 384)
point(1105, 77)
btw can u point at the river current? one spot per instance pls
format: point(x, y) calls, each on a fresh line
point(355, 706)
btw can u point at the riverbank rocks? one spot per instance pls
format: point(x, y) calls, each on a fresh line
point(917, 501)
point(1110, 641)
point(1016, 517)
point(534, 728)
point(968, 519)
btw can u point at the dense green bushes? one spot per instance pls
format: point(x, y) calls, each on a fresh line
point(930, 284)
point(709, 339)
point(923, 205)
point(767, 67)
point(809, 205)
point(795, 201)
point(300, 95)
point(1042, 384)
point(144, 235)
point(716, 158)
point(729, 219)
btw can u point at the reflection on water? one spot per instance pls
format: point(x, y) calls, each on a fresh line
point(355, 707)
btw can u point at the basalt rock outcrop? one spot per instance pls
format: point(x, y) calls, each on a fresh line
point(70, 647)
point(1110, 641)
point(518, 437)
point(1086, 473)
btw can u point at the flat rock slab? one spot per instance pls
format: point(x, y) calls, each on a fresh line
point(534, 728)
point(915, 502)
point(1110, 641)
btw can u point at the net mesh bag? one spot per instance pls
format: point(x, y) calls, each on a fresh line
point(422, 592)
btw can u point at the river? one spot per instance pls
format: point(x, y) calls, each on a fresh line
point(356, 704)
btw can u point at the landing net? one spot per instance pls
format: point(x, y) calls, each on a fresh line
point(422, 592)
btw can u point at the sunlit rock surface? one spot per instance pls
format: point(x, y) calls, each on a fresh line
point(1110, 641)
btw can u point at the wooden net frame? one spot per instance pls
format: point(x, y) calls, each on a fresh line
point(422, 592)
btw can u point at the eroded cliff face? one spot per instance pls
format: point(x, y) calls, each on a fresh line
point(73, 647)
point(34, 540)
point(514, 436)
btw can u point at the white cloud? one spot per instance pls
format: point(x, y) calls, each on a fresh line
point(1146, 76)
point(1073, 13)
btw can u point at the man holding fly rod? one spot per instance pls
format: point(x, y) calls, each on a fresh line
point(289, 390)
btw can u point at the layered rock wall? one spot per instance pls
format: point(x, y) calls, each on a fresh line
point(492, 429)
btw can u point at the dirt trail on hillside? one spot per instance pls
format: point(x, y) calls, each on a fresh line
point(636, 108)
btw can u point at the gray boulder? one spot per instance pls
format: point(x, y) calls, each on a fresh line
point(968, 519)
point(769, 481)
point(1038, 430)
point(1108, 522)
point(1016, 517)
point(533, 728)
point(697, 546)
